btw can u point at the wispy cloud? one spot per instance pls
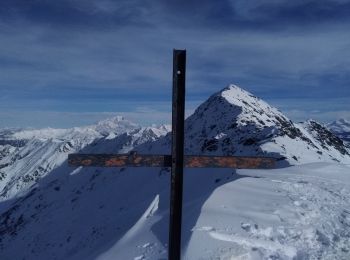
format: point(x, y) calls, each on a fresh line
point(90, 55)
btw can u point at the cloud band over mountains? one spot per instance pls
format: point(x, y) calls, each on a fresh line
point(94, 56)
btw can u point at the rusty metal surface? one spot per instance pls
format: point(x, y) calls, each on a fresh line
point(238, 162)
point(190, 161)
point(119, 160)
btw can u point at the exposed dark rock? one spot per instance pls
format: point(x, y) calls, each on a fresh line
point(326, 137)
point(210, 145)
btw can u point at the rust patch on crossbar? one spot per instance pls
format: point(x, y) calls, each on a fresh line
point(190, 161)
point(114, 161)
point(86, 162)
point(229, 162)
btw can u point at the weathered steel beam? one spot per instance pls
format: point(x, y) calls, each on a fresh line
point(190, 161)
point(119, 160)
point(239, 162)
point(177, 154)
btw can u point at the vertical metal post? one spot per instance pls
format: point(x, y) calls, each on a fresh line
point(177, 153)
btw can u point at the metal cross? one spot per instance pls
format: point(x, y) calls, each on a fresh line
point(177, 160)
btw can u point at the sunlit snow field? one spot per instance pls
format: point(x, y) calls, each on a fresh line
point(299, 212)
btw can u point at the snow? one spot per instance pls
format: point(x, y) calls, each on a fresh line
point(297, 212)
point(43, 150)
point(235, 122)
point(116, 125)
point(300, 210)
point(134, 236)
point(341, 127)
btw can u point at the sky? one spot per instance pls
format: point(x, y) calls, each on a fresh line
point(67, 63)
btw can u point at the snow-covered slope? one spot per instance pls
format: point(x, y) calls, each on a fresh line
point(51, 211)
point(299, 212)
point(235, 122)
point(40, 154)
point(341, 128)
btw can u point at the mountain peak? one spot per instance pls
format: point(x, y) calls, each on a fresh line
point(235, 102)
point(235, 122)
point(234, 91)
point(117, 125)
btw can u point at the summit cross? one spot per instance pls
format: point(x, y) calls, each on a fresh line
point(177, 160)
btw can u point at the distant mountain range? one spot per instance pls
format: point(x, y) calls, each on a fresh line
point(82, 212)
point(341, 128)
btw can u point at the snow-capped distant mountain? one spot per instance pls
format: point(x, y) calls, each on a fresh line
point(116, 125)
point(341, 128)
point(235, 122)
point(127, 141)
point(28, 155)
point(51, 211)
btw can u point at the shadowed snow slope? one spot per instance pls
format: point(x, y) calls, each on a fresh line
point(51, 211)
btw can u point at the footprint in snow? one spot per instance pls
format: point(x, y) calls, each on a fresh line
point(246, 226)
point(146, 245)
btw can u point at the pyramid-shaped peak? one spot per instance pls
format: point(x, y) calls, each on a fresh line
point(236, 98)
point(235, 103)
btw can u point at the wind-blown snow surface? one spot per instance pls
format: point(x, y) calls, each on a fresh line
point(301, 212)
point(51, 211)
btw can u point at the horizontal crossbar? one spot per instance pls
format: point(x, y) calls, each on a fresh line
point(190, 161)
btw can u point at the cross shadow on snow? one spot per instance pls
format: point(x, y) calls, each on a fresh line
point(199, 184)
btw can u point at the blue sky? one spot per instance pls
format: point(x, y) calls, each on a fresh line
point(72, 62)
